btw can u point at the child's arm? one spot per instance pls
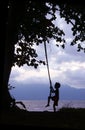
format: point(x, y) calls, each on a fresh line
point(52, 89)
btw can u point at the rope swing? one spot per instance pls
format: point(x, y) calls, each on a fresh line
point(45, 47)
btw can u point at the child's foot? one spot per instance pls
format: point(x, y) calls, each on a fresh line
point(47, 105)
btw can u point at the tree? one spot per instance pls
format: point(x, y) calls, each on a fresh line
point(74, 13)
point(9, 25)
point(27, 24)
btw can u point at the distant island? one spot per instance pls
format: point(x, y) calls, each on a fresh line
point(41, 92)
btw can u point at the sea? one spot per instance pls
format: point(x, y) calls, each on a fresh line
point(40, 105)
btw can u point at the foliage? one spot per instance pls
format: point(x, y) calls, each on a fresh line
point(10, 86)
point(74, 13)
point(35, 26)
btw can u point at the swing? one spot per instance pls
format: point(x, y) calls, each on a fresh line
point(51, 88)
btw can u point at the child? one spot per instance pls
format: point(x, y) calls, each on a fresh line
point(54, 98)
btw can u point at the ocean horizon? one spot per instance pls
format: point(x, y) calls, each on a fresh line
point(39, 105)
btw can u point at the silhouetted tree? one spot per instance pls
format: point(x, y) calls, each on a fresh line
point(74, 13)
point(27, 24)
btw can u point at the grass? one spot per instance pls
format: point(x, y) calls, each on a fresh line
point(65, 118)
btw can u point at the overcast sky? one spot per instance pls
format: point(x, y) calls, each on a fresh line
point(67, 66)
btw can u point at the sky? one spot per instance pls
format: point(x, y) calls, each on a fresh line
point(67, 66)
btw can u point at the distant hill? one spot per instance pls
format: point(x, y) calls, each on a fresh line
point(41, 92)
point(70, 93)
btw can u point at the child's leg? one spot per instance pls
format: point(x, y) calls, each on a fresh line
point(54, 107)
point(48, 101)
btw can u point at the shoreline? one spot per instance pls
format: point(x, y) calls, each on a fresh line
point(39, 105)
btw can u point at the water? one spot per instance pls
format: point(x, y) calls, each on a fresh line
point(39, 105)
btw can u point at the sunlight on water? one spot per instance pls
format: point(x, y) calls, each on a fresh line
point(39, 105)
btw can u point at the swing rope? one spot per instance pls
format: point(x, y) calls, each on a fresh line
point(48, 67)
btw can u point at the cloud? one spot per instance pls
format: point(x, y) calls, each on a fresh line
point(29, 76)
point(66, 65)
point(67, 71)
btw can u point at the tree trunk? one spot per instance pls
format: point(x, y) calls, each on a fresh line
point(9, 39)
point(7, 53)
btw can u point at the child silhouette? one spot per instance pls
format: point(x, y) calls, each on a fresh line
point(54, 98)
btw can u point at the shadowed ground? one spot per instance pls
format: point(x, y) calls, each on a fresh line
point(66, 118)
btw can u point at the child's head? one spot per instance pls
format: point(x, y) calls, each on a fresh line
point(57, 85)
